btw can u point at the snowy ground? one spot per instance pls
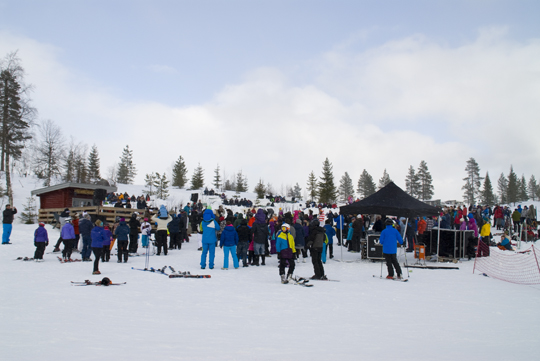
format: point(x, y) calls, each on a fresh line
point(247, 314)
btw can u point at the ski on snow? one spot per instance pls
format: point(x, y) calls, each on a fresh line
point(188, 276)
point(23, 259)
point(298, 281)
point(179, 274)
point(151, 269)
point(392, 279)
point(68, 261)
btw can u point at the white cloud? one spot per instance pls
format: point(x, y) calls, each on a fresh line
point(390, 106)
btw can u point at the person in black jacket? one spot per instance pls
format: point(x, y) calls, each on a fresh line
point(315, 243)
point(8, 223)
point(85, 229)
point(174, 232)
point(134, 227)
point(244, 237)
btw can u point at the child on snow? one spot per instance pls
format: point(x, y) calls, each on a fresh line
point(41, 240)
point(146, 231)
point(106, 253)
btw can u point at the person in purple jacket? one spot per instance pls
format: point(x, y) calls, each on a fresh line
point(106, 254)
point(41, 240)
point(68, 237)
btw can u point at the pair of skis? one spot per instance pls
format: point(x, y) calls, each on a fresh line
point(179, 274)
point(175, 274)
point(392, 279)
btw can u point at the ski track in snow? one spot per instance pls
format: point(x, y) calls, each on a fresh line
point(247, 314)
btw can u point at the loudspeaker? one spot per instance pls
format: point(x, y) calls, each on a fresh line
point(99, 196)
point(374, 248)
point(194, 197)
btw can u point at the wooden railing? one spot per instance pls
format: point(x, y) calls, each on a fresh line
point(109, 213)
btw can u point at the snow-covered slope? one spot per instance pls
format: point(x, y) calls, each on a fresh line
point(247, 314)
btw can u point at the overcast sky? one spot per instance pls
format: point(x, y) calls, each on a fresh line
point(272, 88)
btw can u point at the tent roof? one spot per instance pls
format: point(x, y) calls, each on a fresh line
point(391, 200)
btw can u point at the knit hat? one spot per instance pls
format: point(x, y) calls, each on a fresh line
point(41, 224)
point(98, 223)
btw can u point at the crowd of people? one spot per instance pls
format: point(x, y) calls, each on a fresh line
point(250, 236)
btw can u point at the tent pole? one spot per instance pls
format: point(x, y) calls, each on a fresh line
point(438, 236)
point(404, 250)
point(341, 219)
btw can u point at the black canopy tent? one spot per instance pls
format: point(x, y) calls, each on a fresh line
point(391, 200)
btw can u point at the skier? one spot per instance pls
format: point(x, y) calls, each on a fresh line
point(68, 237)
point(389, 238)
point(209, 240)
point(41, 240)
point(285, 247)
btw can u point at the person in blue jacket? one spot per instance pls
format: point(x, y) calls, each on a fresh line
point(98, 238)
point(209, 239)
point(228, 242)
point(389, 239)
point(330, 233)
point(41, 240)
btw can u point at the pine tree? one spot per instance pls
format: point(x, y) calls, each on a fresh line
point(161, 185)
point(126, 169)
point(228, 185)
point(179, 173)
point(532, 188)
point(69, 167)
point(385, 180)
point(94, 174)
point(486, 196)
point(522, 195)
point(297, 191)
point(29, 215)
point(512, 192)
point(81, 169)
point(472, 181)
point(260, 189)
point(412, 185)
point(502, 187)
point(241, 183)
point(149, 181)
point(326, 189)
point(15, 115)
point(197, 180)
point(217, 179)
point(366, 185)
point(312, 186)
point(346, 188)
point(425, 191)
